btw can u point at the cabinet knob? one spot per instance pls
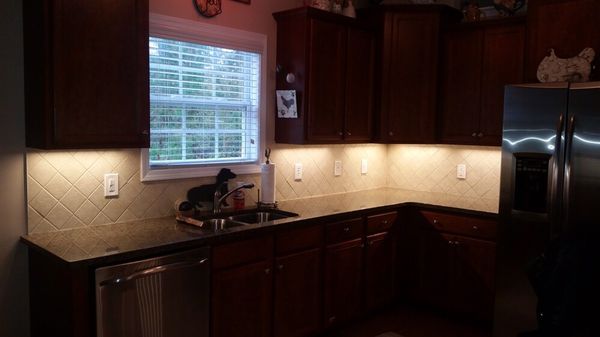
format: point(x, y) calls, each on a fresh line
point(290, 78)
point(391, 133)
point(347, 229)
point(340, 133)
point(475, 228)
point(145, 132)
point(474, 134)
point(450, 242)
point(480, 135)
point(435, 221)
point(384, 222)
point(348, 133)
point(267, 271)
point(456, 243)
point(280, 267)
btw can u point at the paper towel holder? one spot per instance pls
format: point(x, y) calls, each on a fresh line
point(265, 205)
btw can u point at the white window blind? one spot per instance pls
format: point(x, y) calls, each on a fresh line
point(204, 104)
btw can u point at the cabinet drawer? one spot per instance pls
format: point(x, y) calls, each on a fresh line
point(344, 230)
point(381, 222)
point(298, 239)
point(475, 227)
point(242, 252)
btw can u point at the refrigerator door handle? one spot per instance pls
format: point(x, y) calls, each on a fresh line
point(568, 168)
point(556, 162)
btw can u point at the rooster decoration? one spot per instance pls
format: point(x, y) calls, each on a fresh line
point(286, 104)
point(575, 69)
point(208, 8)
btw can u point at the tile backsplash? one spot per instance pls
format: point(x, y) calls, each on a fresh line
point(65, 188)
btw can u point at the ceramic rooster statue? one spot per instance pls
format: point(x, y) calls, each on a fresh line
point(575, 69)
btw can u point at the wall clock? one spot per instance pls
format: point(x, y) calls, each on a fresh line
point(208, 8)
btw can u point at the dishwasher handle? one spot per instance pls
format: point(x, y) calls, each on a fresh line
point(152, 271)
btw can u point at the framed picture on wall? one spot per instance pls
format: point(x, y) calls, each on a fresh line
point(244, 1)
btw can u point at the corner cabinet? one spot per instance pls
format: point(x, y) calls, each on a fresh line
point(328, 60)
point(479, 60)
point(406, 84)
point(86, 74)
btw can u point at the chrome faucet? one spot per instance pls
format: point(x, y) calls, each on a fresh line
point(218, 199)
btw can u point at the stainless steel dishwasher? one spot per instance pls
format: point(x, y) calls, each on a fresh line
point(167, 296)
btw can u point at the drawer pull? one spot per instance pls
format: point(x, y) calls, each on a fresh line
point(435, 221)
point(347, 229)
point(280, 267)
point(385, 222)
point(267, 271)
point(475, 228)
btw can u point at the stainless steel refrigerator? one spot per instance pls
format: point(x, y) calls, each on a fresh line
point(547, 260)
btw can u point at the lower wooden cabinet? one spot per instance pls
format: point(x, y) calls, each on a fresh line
point(343, 281)
point(379, 270)
point(297, 294)
point(242, 301)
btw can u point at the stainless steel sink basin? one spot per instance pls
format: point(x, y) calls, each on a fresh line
point(220, 224)
point(261, 216)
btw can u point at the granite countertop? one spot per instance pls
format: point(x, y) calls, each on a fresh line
point(117, 242)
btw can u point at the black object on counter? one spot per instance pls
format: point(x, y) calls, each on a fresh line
point(206, 192)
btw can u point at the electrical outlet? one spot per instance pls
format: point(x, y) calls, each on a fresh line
point(461, 171)
point(364, 166)
point(337, 168)
point(298, 171)
point(111, 184)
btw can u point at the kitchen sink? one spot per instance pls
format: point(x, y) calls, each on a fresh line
point(261, 216)
point(220, 224)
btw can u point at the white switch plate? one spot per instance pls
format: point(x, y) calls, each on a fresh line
point(337, 168)
point(298, 171)
point(461, 171)
point(111, 184)
point(364, 166)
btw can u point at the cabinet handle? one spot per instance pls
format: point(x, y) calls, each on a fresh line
point(391, 133)
point(340, 133)
point(475, 228)
point(348, 133)
point(267, 271)
point(145, 132)
point(384, 222)
point(435, 221)
point(474, 134)
point(347, 229)
point(480, 135)
point(456, 243)
point(280, 267)
point(450, 242)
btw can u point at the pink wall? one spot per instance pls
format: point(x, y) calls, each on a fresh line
point(255, 17)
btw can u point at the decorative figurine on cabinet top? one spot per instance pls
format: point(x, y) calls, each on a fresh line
point(575, 69)
point(472, 11)
point(208, 8)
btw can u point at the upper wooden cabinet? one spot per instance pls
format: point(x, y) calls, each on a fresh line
point(479, 60)
point(86, 73)
point(408, 39)
point(331, 60)
point(568, 26)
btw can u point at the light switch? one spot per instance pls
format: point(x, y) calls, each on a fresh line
point(337, 168)
point(364, 166)
point(461, 171)
point(298, 171)
point(111, 184)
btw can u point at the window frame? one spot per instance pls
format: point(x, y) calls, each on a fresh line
point(168, 27)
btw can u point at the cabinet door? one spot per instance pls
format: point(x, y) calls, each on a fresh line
point(475, 272)
point(461, 90)
point(326, 81)
point(409, 77)
point(297, 294)
point(436, 268)
point(568, 26)
point(359, 86)
point(100, 74)
point(503, 52)
point(379, 266)
point(241, 301)
point(343, 281)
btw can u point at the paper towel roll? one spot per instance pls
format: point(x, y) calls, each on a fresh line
point(267, 183)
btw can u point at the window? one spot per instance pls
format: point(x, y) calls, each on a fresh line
point(205, 100)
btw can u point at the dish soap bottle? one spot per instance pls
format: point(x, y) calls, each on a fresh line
point(239, 198)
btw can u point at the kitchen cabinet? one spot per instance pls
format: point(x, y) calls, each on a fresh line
point(568, 26)
point(478, 61)
point(328, 60)
point(408, 39)
point(343, 279)
point(242, 288)
point(86, 74)
point(456, 265)
point(380, 260)
point(298, 275)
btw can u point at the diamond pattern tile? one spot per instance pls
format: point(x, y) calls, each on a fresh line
point(65, 187)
